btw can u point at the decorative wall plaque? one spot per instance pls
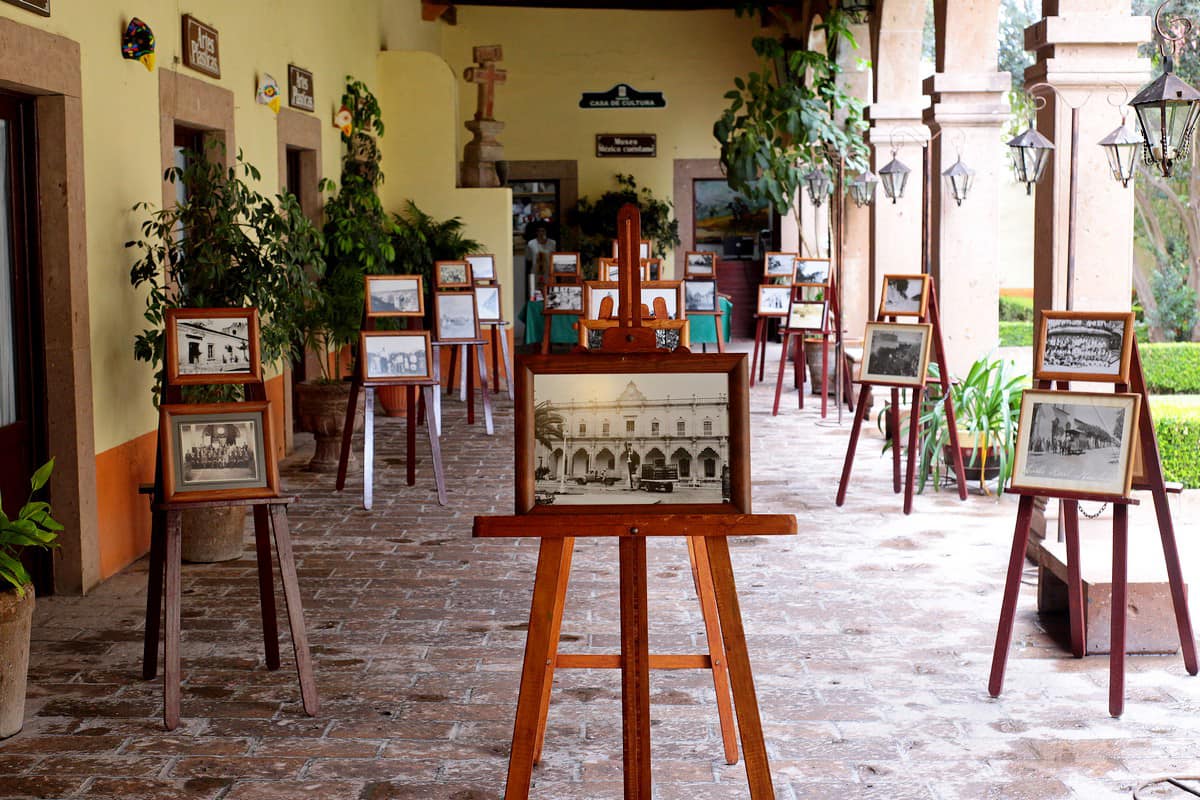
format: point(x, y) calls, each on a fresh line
point(300, 88)
point(622, 96)
point(201, 49)
point(626, 145)
point(36, 6)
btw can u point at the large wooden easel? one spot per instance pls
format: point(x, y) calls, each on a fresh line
point(706, 534)
point(1152, 481)
point(830, 327)
point(861, 410)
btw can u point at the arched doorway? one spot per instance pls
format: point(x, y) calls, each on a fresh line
point(580, 462)
point(681, 459)
point(710, 464)
point(656, 457)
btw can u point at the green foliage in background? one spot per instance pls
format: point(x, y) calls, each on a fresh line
point(1016, 309)
point(419, 240)
point(1175, 312)
point(1171, 367)
point(597, 222)
point(1016, 334)
point(1177, 424)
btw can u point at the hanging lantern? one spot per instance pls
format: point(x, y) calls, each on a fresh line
point(1121, 148)
point(817, 181)
point(1030, 153)
point(1167, 107)
point(959, 178)
point(859, 11)
point(894, 177)
point(862, 188)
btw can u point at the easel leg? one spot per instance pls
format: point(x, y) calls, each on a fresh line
point(860, 411)
point(754, 748)
point(546, 335)
point(347, 436)
point(1075, 616)
point(719, 324)
point(560, 602)
point(702, 577)
point(798, 362)
point(154, 592)
point(824, 375)
point(410, 433)
point(369, 449)
point(1183, 619)
point(914, 425)
point(266, 585)
point(495, 360)
point(635, 668)
point(468, 383)
point(435, 447)
point(295, 611)
point(508, 364)
point(759, 332)
point(1012, 587)
point(1120, 601)
point(488, 423)
point(435, 402)
point(533, 672)
point(452, 369)
point(779, 378)
point(894, 421)
point(173, 590)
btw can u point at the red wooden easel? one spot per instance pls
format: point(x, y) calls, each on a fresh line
point(832, 321)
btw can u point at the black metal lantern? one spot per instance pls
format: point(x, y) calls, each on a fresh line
point(1030, 153)
point(894, 177)
point(817, 181)
point(862, 188)
point(959, 178)
point(1121, 147)
point(1167, 107)
point(859, 11)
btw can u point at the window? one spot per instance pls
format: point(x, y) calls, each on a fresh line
point(710, 468)
point(708, 427)
point(582, 428)
point(681, 428)
point(654, 428)
point(629, 426)
point(685, 468)
point(604, 428)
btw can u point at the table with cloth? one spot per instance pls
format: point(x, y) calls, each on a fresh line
point(703, 329)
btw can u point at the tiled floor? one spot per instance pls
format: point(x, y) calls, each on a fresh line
point(870, 635)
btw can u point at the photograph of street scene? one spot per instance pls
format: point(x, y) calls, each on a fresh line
point(1080, 445)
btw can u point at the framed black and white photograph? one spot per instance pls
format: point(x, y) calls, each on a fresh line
point(1076, 442)
point(564, 265)
point(212, 345)
point(452, 275)
point(395, 296)
point(391, 357)
point(697, 264)
point(896, 353)
point(608, 269)
point(700, 296)
point(663, 299)
point(780, 265)
point(487, 303)
point(646, 433)
point(564, 298)
point(595, 293)
point(217, 451)
point(774, 301)
point(904, 296)
point(806, 316)
point(811, 270)
point(1084, 346)
point(483, 267)
point(455, 317)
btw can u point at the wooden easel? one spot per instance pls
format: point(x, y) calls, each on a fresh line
point(1153, 482)
point(712, 570)
point(466, 391)
point(832, 319)
point(498, 334)
point(861, 410)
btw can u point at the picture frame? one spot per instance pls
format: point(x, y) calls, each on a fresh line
point(810, 292)
point(779, 265)
point(700, 296)
point(774, 300)
point(394, 296)
point(395, 357)
point(483, 267)
point(651, 269)
point(217, 451)
point(564, 266)
point(805, 315)
point(488, 304)
point(811, 270)
point(1093, 346)
point(904, 296)
point(455, 317)
point(669, 333)
point(610, 270)
point(656, 395)
point(643, 249)
point(594, 293)
point(699, 264)
point(670, 292)
point(212, 346)
point(452, 275)
point(563, 298)
point(1079, 443)
point(896, 353)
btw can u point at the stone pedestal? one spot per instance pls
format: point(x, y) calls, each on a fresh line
point(481, 154)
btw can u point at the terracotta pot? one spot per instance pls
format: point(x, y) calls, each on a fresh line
point(986, 465)
point(321, 409)
point(392, 399)
point(16, 615)
point(213, 534)
point(812, 356)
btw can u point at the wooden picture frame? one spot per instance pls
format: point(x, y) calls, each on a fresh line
point(455, 317)
point(563, 298)
point(700, 296)
point(451, 275)
point(594, 293)
point(896, 353)
point(774, 300)
point(483, 267)
point(1080, 443)
point(699, 264)
point(779, 265)
point(488, 303)
point(669, 333)
point(212, 346)
point(707, 393)
point(805, 315)
point(390, 358)
point(610, 270)
point(217, 451)
point(904, 296)
point(651, 269)
point(564, 266)
point(670, 291)
point(394, 296)
point(643, 249)
point(811, 270)
point(1092, 346)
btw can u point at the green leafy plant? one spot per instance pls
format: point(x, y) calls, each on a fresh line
point(33, 527)
point(1016, 334)
point(597, 222)
point(365, 113)
point(1177, 427)
point(419, 240)
point(1016, 309)
point(1171, 367)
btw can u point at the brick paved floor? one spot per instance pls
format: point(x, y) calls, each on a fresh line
point(870, 635)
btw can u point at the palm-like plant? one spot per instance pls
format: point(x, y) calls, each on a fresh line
point(548, 425)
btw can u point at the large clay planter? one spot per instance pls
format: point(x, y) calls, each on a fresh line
point(16, 615)
point(392, 399)
point(321, 409)
point(213, 534)
point(812, 355)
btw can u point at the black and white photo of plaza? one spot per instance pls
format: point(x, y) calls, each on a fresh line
point(1093, 346)
point(565, 298)
point(700, 295)
point(896, 353)
point(217, 345)
point(397, 355)
point(395, 295)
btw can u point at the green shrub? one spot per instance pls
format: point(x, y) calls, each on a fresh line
point(1016, 334)
point(1016, 309)
point(1178, 432)
point(1171, 367)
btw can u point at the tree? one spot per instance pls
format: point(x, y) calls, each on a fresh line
point(547, 425)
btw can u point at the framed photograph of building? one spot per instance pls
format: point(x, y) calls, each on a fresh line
point(212, 345)
point(564, 298)
point(632, 433)
point(896, 353)
point(904, 296)
point(697, 264)
point(217, 451)
point(455, 317)
point(780, 265)
point(452, 275)
point(774, 301)
point(669, 334)
point(394, 296)
point(812, 270)
point(663, 299)
point(700, 296)
point(483, 267)
point(392, 357)
point(1084, 346)
point(1076, 442)
point(594, 295)
point(487, 303)
point(564, 266)
point(806, 316)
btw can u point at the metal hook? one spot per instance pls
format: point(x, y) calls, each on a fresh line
point(1176, 32)
point(1123, 105)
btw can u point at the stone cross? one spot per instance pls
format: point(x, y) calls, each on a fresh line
point(486, 75)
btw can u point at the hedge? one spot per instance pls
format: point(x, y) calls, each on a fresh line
point(1170, 367)
point(1016, 309)
point(1016, 334)
point(1178, 429)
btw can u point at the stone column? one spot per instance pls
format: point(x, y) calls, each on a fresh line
point(856, 238)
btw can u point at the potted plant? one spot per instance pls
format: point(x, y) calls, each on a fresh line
point(597, 222)
point(225, 245)
point(32, 527)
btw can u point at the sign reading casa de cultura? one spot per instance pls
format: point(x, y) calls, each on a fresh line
point(201, 49)
point(622, 96)
point(300, 88)
point(626, 145)
point(36, 6)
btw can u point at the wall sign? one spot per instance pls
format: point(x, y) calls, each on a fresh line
point(201, 50)
point(626, 145)
point(300, 89)
point(36, 6)
point(622, 96)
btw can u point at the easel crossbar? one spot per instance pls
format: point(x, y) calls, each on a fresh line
point(614, 661)
point(558, 526)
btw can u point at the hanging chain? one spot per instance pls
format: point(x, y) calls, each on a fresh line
point(1083, 511)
